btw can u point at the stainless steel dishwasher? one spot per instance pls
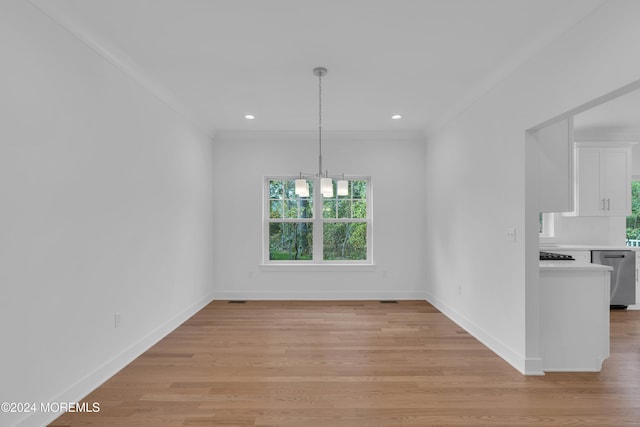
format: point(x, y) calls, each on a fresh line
point(623, 276)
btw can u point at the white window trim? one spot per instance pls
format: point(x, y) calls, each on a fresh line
point(548, 228)
point(317, 264)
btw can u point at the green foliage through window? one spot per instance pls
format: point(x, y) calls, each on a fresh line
point(345, 241)
point(290, 241)
point(284, 203)
point(633, 221)
point(341, 223)
point(353, 205)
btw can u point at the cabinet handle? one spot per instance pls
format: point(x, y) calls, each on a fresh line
point(603, 203)
point(608, 204)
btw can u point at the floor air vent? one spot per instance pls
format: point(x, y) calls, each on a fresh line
point(235, 302)
point(388, 302)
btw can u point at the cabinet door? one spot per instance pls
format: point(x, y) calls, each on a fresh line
point(636, 306)
point(615, 187)
point(603, 180)
point(589, 201)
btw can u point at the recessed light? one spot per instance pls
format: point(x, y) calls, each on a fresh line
point(249, 116)
point(396, 116)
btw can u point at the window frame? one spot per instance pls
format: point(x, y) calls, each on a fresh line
point(548, 225)
point(634, 178)
point(318, 222)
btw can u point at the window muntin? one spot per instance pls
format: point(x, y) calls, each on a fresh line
point(284, 203)
point(353, 205)
point(316, 229)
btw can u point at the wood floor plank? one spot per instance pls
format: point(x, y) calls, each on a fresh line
point(351, 364)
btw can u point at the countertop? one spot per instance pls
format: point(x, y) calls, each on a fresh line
point(573, 265)
point(550, 247)
point(578, 264)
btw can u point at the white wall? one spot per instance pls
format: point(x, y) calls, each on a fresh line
point(478, 174)
point(106, 206)
point(635, 160)
point(585, 230)
point(396, 165)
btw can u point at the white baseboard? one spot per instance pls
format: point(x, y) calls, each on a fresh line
point(515, 359)
point(86, 385)
point(533, 366)
point(320, 296)
point(595, 366)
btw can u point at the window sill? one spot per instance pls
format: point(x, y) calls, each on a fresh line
point(316, 267)
point(547, 239)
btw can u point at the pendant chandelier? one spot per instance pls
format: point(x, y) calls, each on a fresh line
point(326, 182)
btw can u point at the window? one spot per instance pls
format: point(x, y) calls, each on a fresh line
point(633, 220)
point(317, 229)
point(546, 225)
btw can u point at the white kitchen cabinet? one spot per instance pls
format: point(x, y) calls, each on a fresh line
point(602, 179)
point(574, 316)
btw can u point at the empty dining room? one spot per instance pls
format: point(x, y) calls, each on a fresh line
point(292, 213)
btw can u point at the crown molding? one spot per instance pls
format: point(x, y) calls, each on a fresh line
point(610, 140)
point(121, 61)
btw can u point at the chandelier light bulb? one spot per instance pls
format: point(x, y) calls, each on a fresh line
point(326, 187)
point(343, 188)
point(302, 188)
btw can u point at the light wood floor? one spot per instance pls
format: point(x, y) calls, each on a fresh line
point(363, 364)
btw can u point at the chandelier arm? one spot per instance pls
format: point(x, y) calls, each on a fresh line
point(325, 174)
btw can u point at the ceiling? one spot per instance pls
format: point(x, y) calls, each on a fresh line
point(218, 60)
point(615, 120)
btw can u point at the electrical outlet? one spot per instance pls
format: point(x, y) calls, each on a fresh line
point(459, 290)
point(116, 320)
point(510, 234)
